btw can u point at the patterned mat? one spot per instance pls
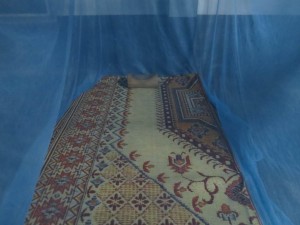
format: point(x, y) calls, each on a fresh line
point(141, 156)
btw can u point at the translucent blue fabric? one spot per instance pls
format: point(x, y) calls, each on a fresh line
point(246, 53)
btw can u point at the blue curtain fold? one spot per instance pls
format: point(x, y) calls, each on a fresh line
point(246, 53)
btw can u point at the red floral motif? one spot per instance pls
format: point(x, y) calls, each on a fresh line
point(71, 159)
point(125, 122)
point(118, 180)
point(91, 112)
point(79, 140)
point(178, 190)
point(133, 155)
point(120, 162)
point(162, 178)
point(121, 144)
point(226, 214)
point(140, 202)
point(115, 202)
point(50, 212)
point(140, 180)
point(62, 182)
point(122, 132)
point(165, 202)
point(86, 125)
point(147, 166)
point(236, 191)
point(196, 204)
point(179, 163)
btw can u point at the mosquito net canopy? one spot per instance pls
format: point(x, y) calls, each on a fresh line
point(245, 52)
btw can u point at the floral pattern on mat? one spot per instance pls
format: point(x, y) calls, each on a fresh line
point(113, 160)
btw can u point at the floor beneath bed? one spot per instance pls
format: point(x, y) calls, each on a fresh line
point(141, 157)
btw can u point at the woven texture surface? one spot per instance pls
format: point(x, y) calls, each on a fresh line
point(141, 157)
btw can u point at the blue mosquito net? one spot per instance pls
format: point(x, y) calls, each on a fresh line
point(247, 53)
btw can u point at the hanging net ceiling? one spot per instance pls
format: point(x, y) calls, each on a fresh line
point(246, 53)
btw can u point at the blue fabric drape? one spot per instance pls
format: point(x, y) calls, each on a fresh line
point(246, 52)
